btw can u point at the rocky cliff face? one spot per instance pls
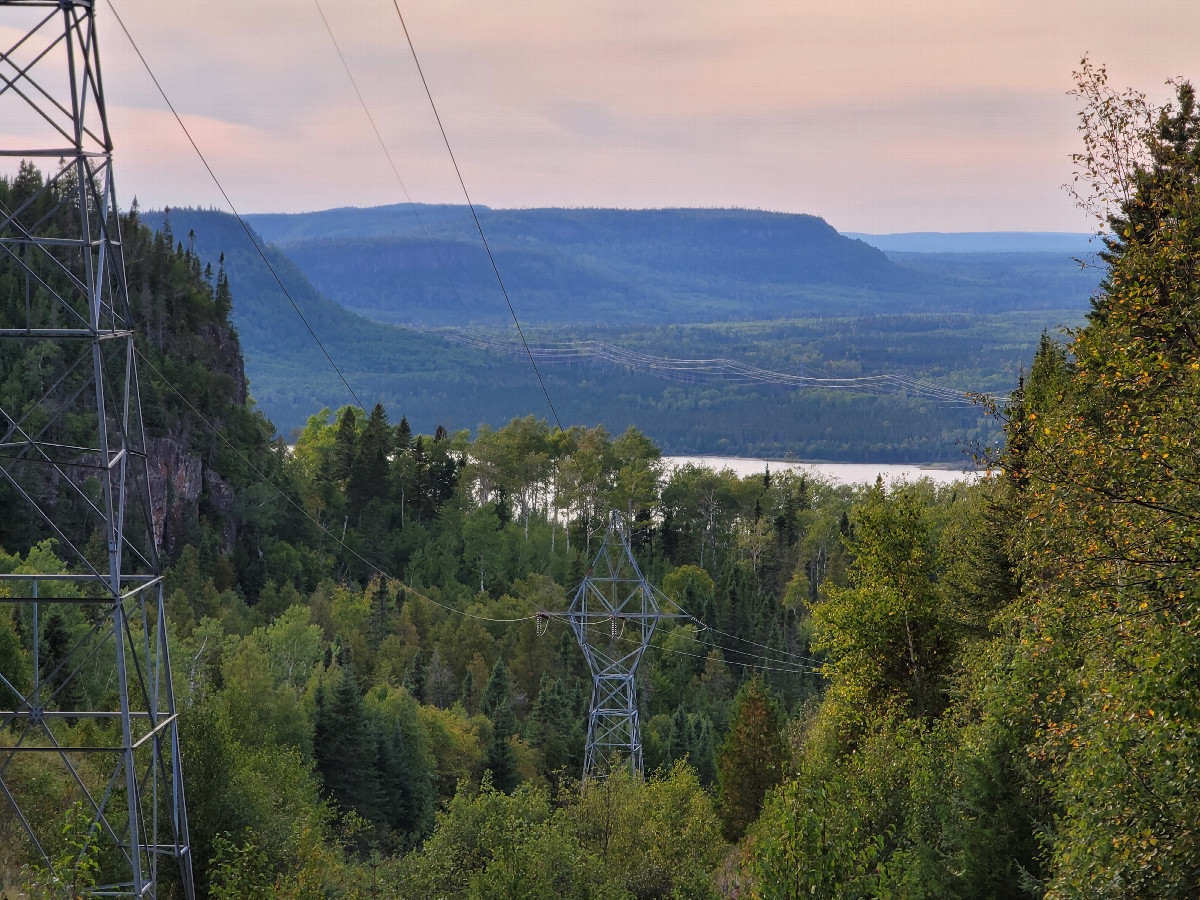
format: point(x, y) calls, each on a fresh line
point(192, 388)
point(227, 356)
point(180, 476)
point(175, 485)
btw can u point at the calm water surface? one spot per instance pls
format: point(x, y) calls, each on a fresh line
point(838, 473)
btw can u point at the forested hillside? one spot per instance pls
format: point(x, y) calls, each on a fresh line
point(981, 691)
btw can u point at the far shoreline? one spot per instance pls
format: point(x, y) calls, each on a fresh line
point(852, 473)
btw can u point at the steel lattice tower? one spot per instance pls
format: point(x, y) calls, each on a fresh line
point(614, 615)
point(87, 710)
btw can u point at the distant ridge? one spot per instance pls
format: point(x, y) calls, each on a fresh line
point(423, 266)
point(981, 242)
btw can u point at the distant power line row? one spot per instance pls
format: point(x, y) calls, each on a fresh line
point(717, 370)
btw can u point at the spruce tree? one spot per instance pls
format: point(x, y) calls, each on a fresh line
point(679, 742)
point(751, 759)
point(407, 798)
point(500, 759)
point(369, 469)
point(345, 446)
point(497, 692)
point(415, 679)
point(345, 747)
point(496, 704)
point(703, 754)
point(550, 723)
point(403, 436)
point(381, 618)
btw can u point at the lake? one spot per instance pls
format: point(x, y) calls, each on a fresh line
point(838, 473)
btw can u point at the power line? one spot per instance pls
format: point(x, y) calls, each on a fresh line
point(799, 669)
point(387, 153)
point(474, 214)
point(614, 353)
point(796, 669)
point(721, 369)
point(785, 657)
point(734, 637)
point(232, 207)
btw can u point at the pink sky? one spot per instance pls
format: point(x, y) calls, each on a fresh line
point(880, 116)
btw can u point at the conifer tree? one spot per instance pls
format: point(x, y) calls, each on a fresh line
point(380, 620)
point(681, 738)
point(500, 759)
point(498, 690)
point(496, 704)
point(344, 745)
point(470, 697)
point(1105, 486)
point(369, 471)
point(403, 438)
point(551, 723)
point(345, 446)
point(415, 680)
point(751, 759)
point(703, 753)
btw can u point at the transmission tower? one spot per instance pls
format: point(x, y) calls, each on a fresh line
point(88, 724)
point(614, 615)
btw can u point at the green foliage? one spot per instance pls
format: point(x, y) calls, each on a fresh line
point(619, 838)
point(73, 869)
point(889, 636)
point(1107, 552)
point(1037, 731)
point(993, 652)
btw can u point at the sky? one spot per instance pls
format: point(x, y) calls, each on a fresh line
point(878, 115)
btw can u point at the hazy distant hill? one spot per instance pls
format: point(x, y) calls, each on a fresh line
point(426, 266)
point(1057, 242)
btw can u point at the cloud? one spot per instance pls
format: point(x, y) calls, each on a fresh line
point(921, 114)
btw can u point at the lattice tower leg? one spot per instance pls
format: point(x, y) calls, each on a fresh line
point(88, 723)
